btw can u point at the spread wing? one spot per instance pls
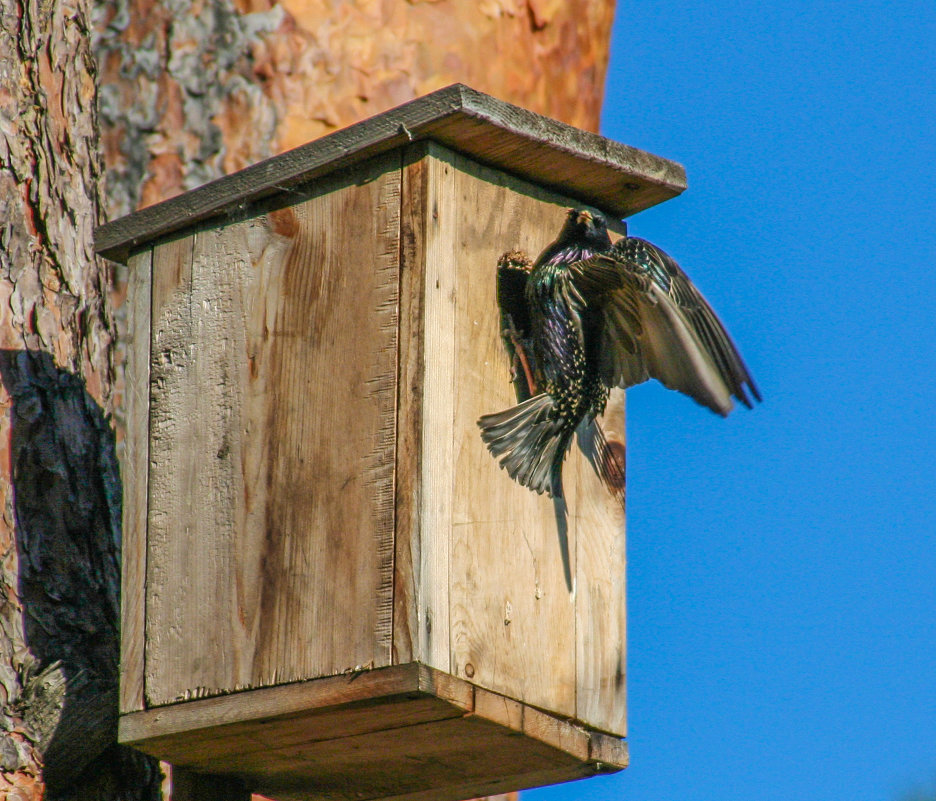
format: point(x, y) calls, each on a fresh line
point(654, 323)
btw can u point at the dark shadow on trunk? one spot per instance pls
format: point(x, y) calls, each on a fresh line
point(67, 509)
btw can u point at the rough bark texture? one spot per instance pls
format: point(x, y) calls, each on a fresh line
point(195, 89)
point(59, 482)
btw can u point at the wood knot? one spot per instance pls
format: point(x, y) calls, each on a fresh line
point(284, 222)
point(615, 462)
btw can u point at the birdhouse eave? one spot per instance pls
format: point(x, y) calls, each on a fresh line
point(619, 179)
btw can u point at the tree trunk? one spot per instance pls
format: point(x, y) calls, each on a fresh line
point(189, 90)
point(59, 482)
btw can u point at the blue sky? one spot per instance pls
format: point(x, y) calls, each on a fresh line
point(782, 563)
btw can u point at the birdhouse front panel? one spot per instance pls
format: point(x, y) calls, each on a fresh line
point(273, 392)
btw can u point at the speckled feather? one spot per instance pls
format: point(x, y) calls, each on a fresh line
point(533, 438)
point(601, 316)
point(656, 324)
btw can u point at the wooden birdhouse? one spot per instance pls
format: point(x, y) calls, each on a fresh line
point(330, 588)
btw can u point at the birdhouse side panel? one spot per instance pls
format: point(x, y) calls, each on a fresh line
point(527, 572)
point(134, 475)
point(272, 440)
point(513, 615)
point(432, 184)
point(600, 605)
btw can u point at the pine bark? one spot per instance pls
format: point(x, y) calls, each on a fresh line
point(60, 492)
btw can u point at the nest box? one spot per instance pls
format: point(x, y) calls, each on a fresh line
point(330, 588)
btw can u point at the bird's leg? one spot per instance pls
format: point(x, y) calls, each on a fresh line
point(520, 355)
point(524, 362)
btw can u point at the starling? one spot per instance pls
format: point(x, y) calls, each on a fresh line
point(600, 316)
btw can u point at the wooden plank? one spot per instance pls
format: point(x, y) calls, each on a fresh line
point(136, 483)
point(329, 528)
point(288, 699)
point(193, 636)
point(241, 745)
point(499, 709)
point(520, 626)
point(437, 477)
point(460, 752)
point(569, 736)
point(446, 686)
point(273, 425)
point(402, 730)
point(558, 733)
point(383, 393)
point(406, 601)
point(513, 624)
point(608, 751)
point(375, 742)
point(601, 630)
point(171, 326)
point(595, 170)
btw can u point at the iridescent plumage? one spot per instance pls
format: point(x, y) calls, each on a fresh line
point(598, 316)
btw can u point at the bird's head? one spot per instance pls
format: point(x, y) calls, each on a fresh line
point(585, 229)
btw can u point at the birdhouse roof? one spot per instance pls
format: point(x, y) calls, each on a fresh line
point(616, 178)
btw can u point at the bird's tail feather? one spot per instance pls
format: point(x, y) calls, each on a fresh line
point(530, 441)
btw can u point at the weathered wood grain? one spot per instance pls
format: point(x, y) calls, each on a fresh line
point(198, 643)
point(620, 179)
point(439, 381)
point(499, 709)
point(444, 685)
point(605, 749)
point(556, 732)
point(380, 734)
point(135, 480)
point(513, 610)
point(504, 786)
point(226, 711)
point(600, 608)
point(449, 753)
point(411, 366)
point(248, 744)
point(274, 386)
point(169, 354)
